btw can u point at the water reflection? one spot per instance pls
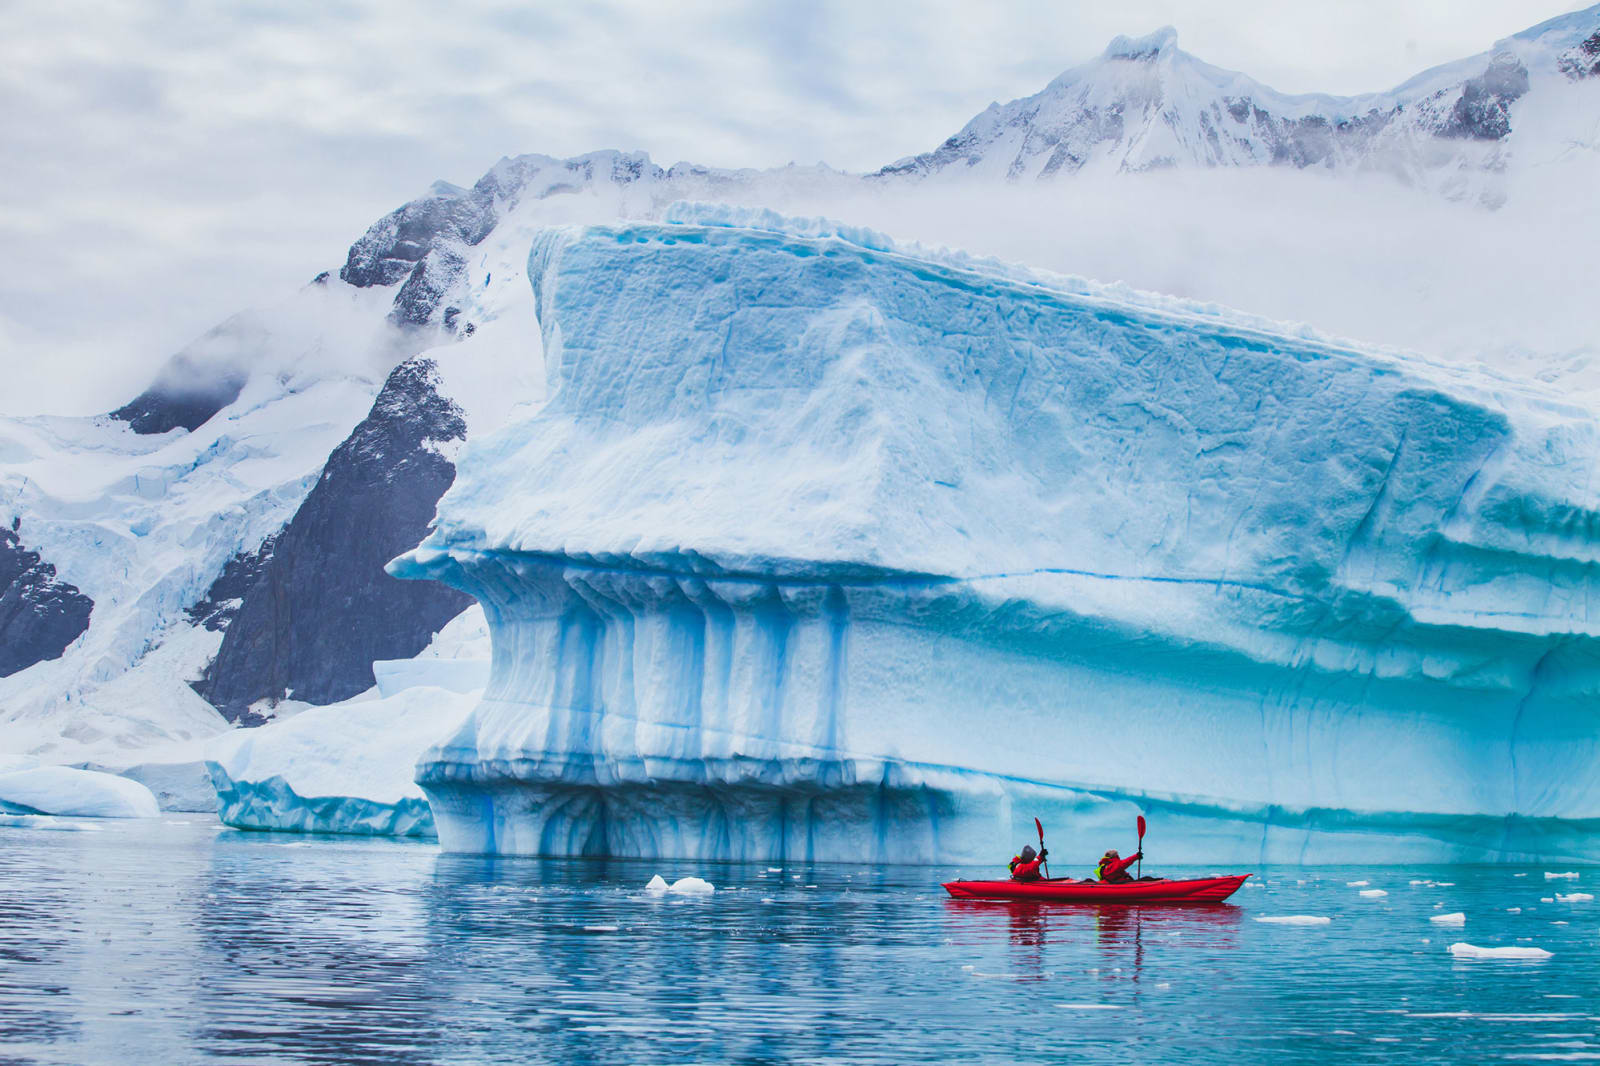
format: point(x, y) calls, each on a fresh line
point(156, 945)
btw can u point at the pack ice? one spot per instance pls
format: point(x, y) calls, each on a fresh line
point(829, 548)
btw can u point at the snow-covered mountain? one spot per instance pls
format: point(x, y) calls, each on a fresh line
point(1146, 104)
point(212, 551)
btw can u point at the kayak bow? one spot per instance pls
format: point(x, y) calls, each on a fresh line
point(1066, 890)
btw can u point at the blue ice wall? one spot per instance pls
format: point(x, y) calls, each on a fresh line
point(829, 548)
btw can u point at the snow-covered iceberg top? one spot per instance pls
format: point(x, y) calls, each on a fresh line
point(62, 790)
point(808, 509)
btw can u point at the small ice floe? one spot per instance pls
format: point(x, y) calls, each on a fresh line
point(1513, 910)
point(1457, 918)
point(1372, 893)
point(1570, 875)
point(1254, 884)
point(1357, 884)
point(44, 821)
point(1519, 875)
point(774, 869)
point(600, 929)
point(692, 886)
point(1547, 899)
point(1472, 951)
point(768, 899)
point(1443, 884)
point(658, 884)
point(1558, 923)
point(1575, 897)
point(1294, 919)
point(1422, 882)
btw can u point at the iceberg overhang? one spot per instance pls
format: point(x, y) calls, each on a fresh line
point(829, 548)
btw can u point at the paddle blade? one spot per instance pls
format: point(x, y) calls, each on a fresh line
point(1141, 827)
point(1040, 827)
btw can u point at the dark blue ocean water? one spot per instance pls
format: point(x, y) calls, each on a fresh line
point(174, 941)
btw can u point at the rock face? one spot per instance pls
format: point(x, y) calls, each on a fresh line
point(322, 609)
point(863, 552)
point(39, 614)
point(172, 403)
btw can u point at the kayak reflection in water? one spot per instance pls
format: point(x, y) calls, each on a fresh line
point(1025, 865)
point(1114, 870)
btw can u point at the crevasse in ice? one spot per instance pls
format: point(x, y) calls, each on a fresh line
point(827, 548)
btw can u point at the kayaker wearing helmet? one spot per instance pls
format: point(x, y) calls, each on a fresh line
point(1114, 870)
point(1025, 866)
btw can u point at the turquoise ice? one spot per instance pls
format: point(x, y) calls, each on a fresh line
point(829, 548)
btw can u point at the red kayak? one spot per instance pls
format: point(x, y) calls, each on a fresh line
point(1067, 890)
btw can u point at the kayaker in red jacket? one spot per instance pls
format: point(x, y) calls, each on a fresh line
point(1114, 870)
point(1025, 867)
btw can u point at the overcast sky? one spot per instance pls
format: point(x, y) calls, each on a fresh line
point(167, 164)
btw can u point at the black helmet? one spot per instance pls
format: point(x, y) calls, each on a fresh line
point(1028, 854)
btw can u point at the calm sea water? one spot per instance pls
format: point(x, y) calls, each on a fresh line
point(175, 941)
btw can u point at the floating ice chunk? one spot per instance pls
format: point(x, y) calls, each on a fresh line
point(774, 869)
point(1513, 910)
point(44, 821)
point(344, 768)
point(1519, 875)
point(1372, 893)
point(1575, 897)
point(1422, 882)
point(1547, 899)
point(1294, 919)
point(1444, 884)
point(1456, 918)
point(657, 884)
point(1558, 923)
point(1472, 951)
point(1360, 884)
point(600, 929)
point(692, 886)
point(62, 790)
point(1570, 875)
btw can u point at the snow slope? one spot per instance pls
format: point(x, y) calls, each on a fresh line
point(832, 548)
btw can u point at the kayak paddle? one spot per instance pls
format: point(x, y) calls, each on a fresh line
point(1141, 844)
point(1040, 827)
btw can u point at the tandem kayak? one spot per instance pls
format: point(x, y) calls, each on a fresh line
point(1066, 890)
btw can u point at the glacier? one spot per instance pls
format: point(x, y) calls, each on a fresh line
point(830, 548)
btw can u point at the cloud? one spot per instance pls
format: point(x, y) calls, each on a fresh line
point(169, 164)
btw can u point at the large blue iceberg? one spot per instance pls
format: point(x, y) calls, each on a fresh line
point(827, 548)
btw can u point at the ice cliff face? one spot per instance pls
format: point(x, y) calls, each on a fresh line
point(826, 547)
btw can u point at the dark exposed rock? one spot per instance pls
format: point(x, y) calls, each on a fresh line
point(1583, 61)
point(39, 615)
point(430, 280)
point(1483, 113)
point(396, 243)
point(174, 402)
point(227, 592)
point(322, 608)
